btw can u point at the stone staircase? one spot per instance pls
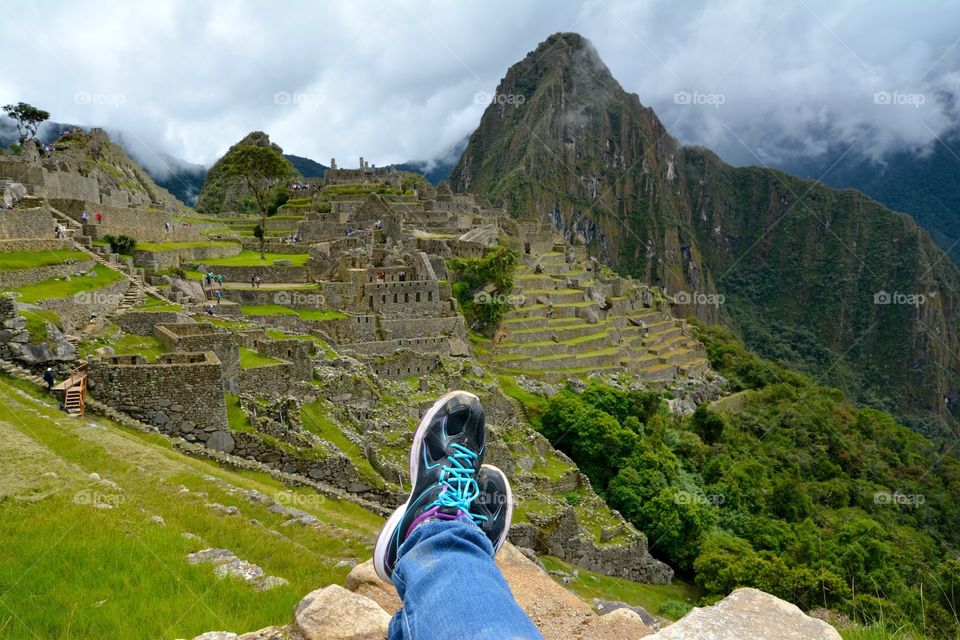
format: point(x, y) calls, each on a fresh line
point(573, 320)
point(139, 288)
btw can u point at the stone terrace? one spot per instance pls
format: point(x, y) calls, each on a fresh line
point(572, 319)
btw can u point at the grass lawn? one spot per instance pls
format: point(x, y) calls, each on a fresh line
point(250, 359)
point(668, 600)
point(237, 418)
point(316, 420)
point(99, 277)
point(280, 310)
point(276, 334)
point(247, 258)
point(37, 320)
point(147, 346)
point(168, 246)
point(156, 304)
point(70, 570)
point(32, 259)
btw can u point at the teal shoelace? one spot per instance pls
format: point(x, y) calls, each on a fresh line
point(459, 479)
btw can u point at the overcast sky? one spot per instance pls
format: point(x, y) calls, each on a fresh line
point(399, 80)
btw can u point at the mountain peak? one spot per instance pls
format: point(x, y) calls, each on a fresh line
point(257, 139)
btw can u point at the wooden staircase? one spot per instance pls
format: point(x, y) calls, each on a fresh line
point(74, 391)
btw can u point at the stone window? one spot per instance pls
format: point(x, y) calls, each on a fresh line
point(418, 296)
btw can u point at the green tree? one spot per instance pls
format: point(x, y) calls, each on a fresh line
point(27, 117)
point(707, 424)
point(261, 168)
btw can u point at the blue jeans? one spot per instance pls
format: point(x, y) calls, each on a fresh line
point(451, 588)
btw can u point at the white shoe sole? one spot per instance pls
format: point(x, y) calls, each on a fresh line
point(506, 529)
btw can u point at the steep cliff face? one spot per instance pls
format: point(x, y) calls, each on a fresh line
point(223, 193)
point(562, 140)
point(802, 269)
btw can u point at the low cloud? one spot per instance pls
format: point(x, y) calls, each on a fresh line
point(397, 81)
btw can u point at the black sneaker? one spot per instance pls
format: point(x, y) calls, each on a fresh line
point(493, 508)
point(446, 455)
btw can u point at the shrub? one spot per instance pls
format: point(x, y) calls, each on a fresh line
point(121, 244)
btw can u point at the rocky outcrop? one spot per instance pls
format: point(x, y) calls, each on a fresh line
point(748, 614)
point(362, 610)
point(562, 536)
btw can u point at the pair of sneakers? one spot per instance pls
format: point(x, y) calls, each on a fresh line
point(448, 480)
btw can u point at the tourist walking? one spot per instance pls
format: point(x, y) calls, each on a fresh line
point(84, 218)
point(48, 378)
point(99, 217)
point(217, 294)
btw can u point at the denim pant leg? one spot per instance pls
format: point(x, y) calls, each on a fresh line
point(451, 588)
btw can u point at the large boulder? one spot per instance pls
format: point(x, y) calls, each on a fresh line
point(190, 288)
point(748, 614)
point(333, 613)
point(363, 579)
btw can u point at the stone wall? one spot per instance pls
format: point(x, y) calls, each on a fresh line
point(414, 298)
point(274, 379)
point(203, 336)
point(22, 277)
point(144, 323)
point(30, 175)
point(253, 244)
point(294, 297)
point(143, 224)
point(171, 258)
point(356, 328)
point(299, 353)
point(434, 345)
point(35, 244)
point(35, 222)
point(180, 393)
point(77, 310)
point(405, 363)
point(270, 274)
point(393, 328)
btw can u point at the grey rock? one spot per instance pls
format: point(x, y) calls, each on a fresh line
point(221, 441)
point(748, 614)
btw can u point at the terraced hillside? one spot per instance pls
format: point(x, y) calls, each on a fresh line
point(575, 319)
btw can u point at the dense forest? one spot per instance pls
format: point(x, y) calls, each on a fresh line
point(783, 486)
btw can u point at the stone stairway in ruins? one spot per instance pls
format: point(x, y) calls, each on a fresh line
point(138, 290)
point(574, 321)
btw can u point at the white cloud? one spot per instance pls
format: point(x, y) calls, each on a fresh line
point(396, 81)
